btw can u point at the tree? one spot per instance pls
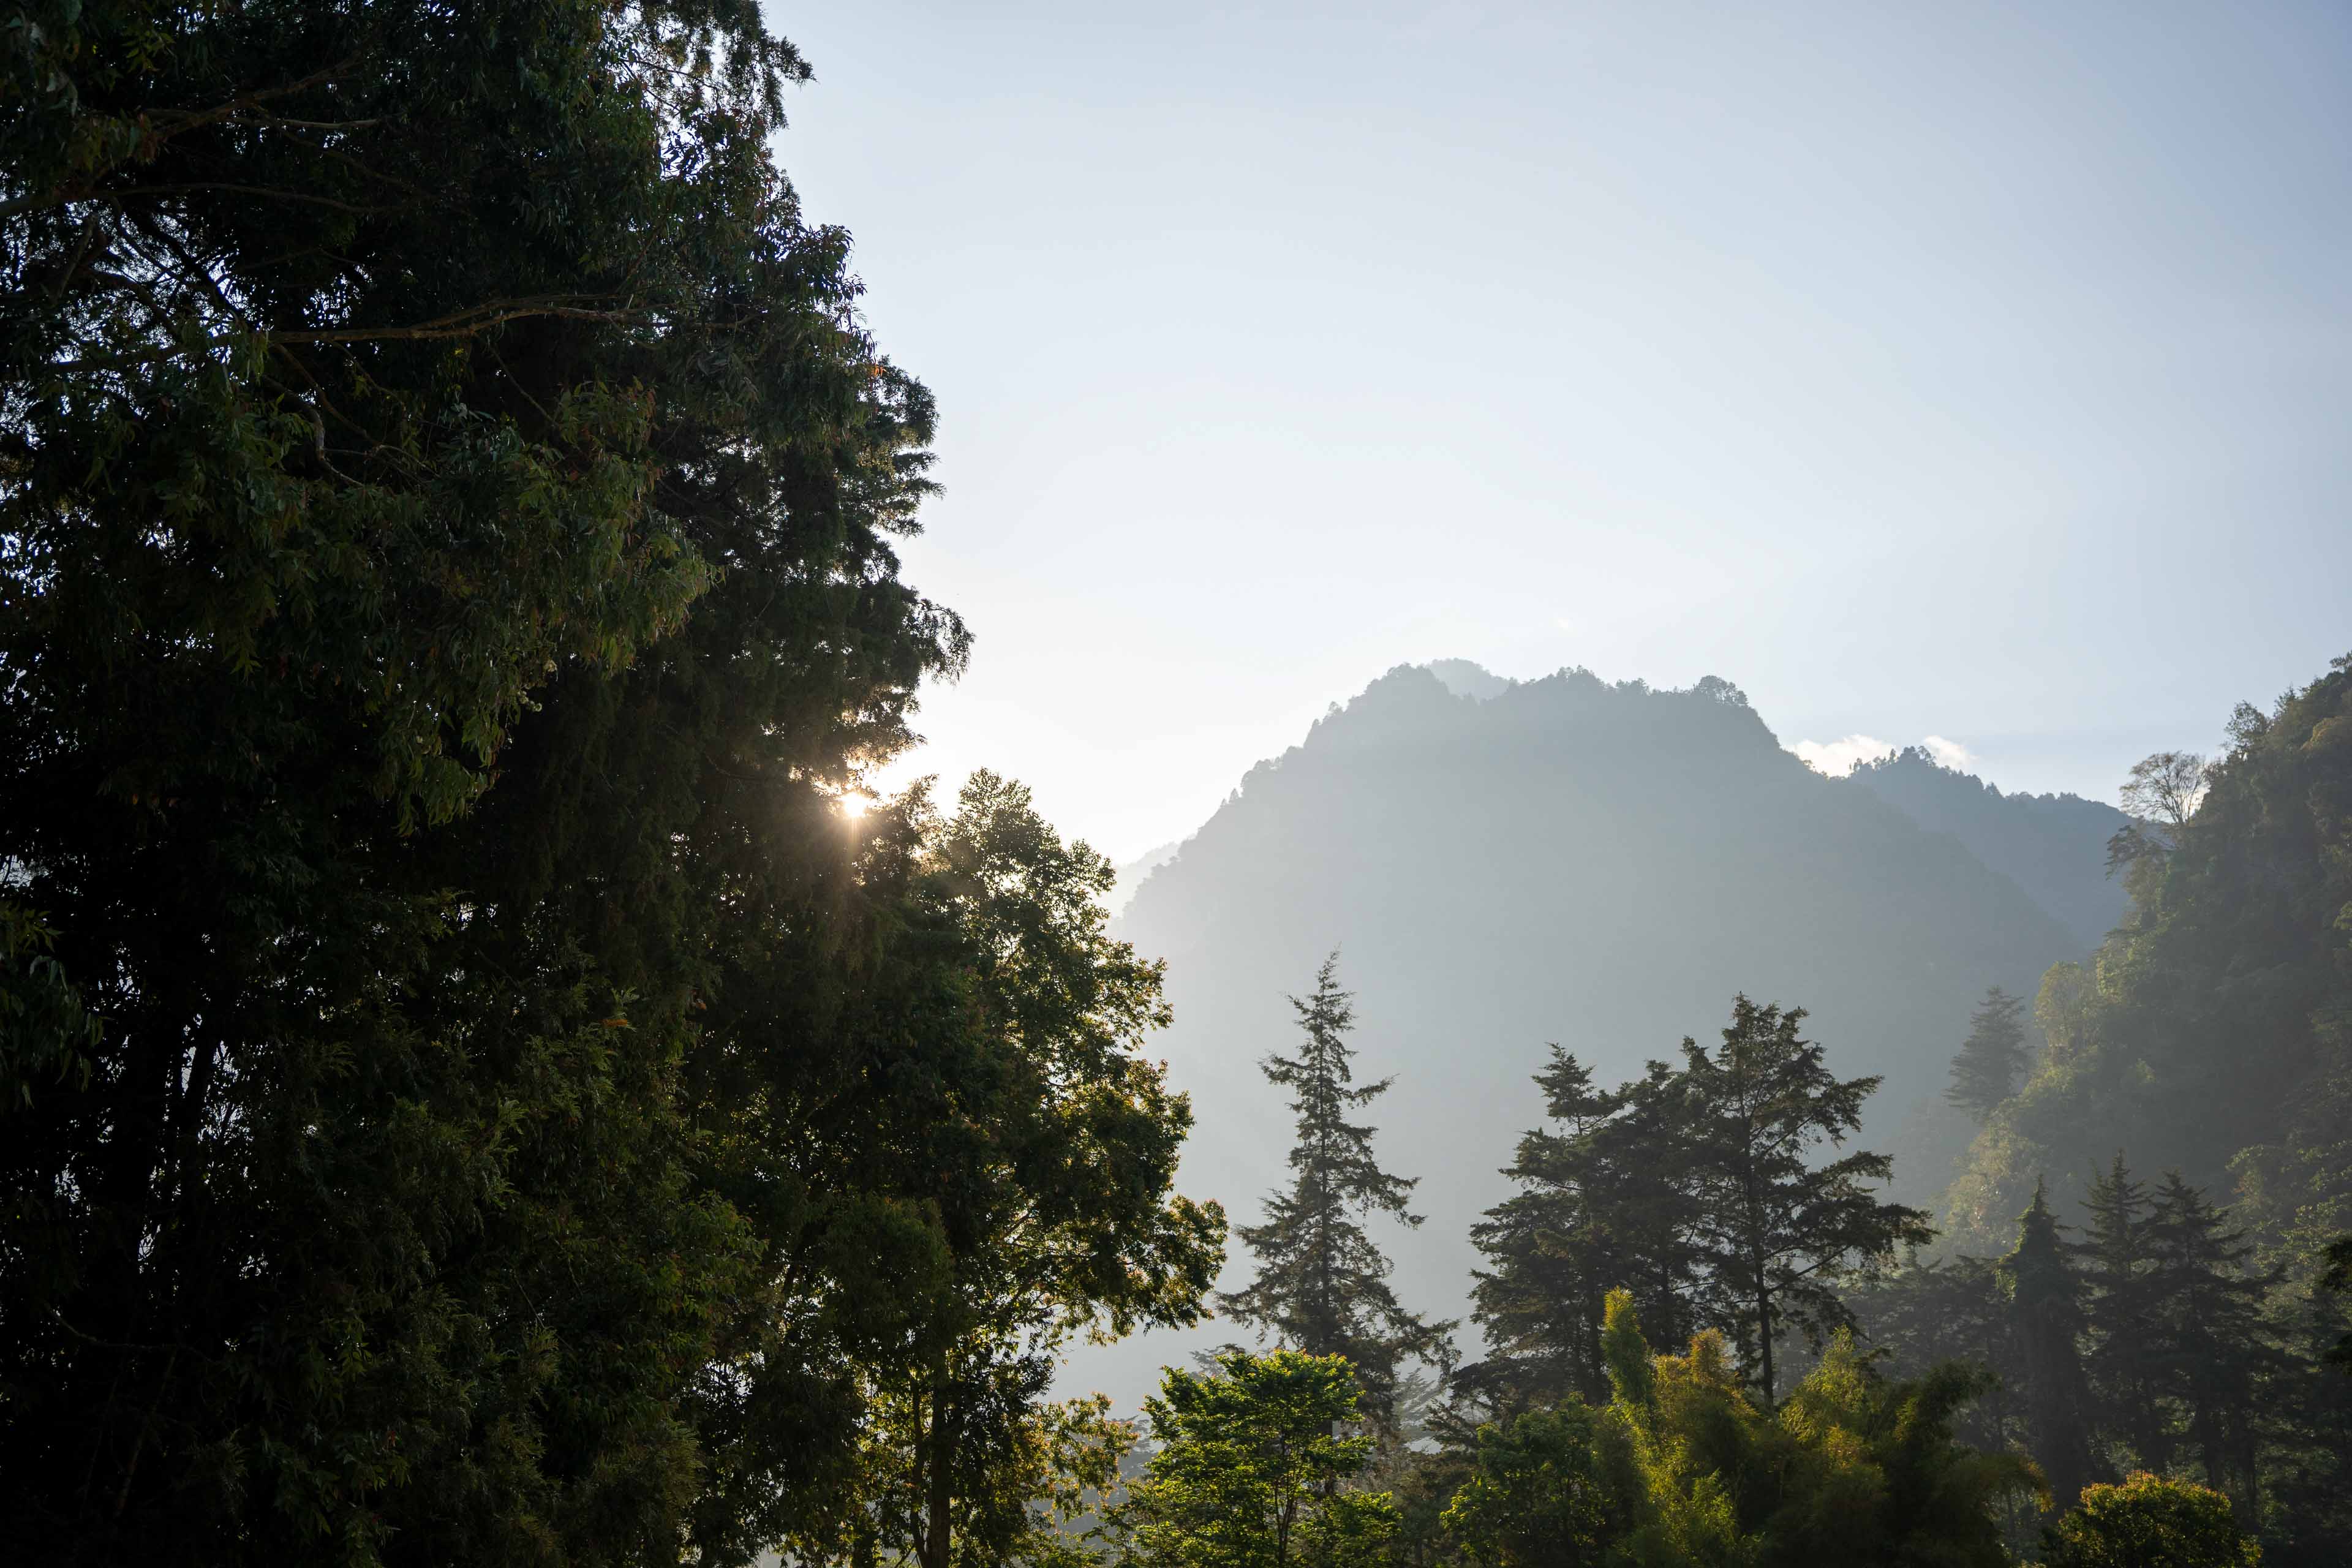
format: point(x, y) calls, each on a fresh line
point(1993, 1057)
point(373, 424)
point(2161, 794)
point(447, 576)
point(1932, 1310)
point(1033, 1478)
point(1538, 1493)
point(2207, 1036)
point(2124, 1360)
point(2338, 1279)
point(1777, 1232)
point(2046, 1319)
point(2165, 788)
point(2207, 1332)
point(1853, 1468)
point(1322, 1285)
point(2147, 1522)
point(1604, 1204)
point(1048, 1158)
point(1249, 1473)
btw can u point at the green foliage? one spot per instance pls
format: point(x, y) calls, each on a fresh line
point(1992, 1058)
point(1537, 1494)
point(2215, 1025)
point(1683, 1467)
point(1321, 1285)
point(1041, 1147)
point(45, 1032)
point(2210, 1036)
point(2208, 1334)
point(1702, 1191)
point(2046, 1319)
point(1250, 1471)
point(1606, 1202)
point(480, 1100)
point(1776, 1229)
point(2150, 1522)
point(2124, 1358)
point(2338, 1279)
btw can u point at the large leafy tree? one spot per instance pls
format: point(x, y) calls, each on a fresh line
point(470, 1094)
point(1776, 1225)
point(1045, 1148)
point(1321, 1285)
point(1250, 1471)
point(2148, 1519)
point(1540, 1491)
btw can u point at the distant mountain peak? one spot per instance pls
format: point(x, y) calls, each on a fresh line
point(1464, 678)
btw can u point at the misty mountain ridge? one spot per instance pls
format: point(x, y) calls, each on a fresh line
point(1507, 864)
point(2055, 846)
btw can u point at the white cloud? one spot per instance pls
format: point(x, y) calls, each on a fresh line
point(1837, 758)
point(1949, 753)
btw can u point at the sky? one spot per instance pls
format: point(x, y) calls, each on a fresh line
point(1978, 372)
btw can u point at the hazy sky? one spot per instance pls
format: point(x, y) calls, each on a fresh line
point(1979, 372)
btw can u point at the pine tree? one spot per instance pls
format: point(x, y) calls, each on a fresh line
point(1777, 1232)
point(1322, 1285)
point(1993, 1057)
point(2122, 1358)
point(1604, 1204)
point(2046, 1318)
point(2208, 1331)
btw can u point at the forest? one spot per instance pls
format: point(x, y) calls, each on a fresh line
point(478, 1086)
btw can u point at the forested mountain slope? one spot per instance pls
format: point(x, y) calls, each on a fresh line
point(2213, 1032)
point(1563, 861)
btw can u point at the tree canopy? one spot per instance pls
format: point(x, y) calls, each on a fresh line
point(469, 1093)
point(1321, 1285)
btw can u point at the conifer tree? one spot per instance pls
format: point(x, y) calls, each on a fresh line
point(1993, 1057)
point(1322, 1283)
point(2207, 1332)
point(1777, 1232)
point(2046, 1317)
point(2122, 1359)
point(1604, 1204)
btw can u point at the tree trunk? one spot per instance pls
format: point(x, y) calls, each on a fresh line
point(941, 1482)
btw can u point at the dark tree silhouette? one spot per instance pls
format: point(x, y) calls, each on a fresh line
point(1604, 1204)
point(2045, 1303)
point(1777, 1232)
point(1322, 1284)
point(2121, 1357)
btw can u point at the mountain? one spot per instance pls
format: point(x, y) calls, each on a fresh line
point(1555, 860)
point(2055, 846)
point(1130, 874)
point(1464, 678)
